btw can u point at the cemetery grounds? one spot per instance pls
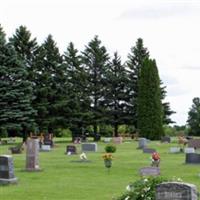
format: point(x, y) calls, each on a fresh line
point(61, 179)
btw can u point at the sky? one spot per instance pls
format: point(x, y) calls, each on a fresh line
point(170, 30)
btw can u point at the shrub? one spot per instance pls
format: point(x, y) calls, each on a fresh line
point(110, 148)
point(143, 189)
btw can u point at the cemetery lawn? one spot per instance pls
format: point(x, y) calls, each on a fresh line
point(61, 179)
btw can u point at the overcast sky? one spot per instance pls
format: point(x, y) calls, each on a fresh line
point(170, 30)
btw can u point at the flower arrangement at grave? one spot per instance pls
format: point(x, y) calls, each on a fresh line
point(107, 157)
point(155, 157)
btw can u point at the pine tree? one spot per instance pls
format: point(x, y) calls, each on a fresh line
point(116, 94)
point(96, 62)
point(16, 112)
point(77, 107)
point(134, 64)
point(48, 75)
point(149, 101)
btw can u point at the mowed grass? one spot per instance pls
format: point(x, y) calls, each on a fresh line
point(61, 179)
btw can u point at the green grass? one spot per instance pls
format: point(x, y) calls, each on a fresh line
point(62, 179)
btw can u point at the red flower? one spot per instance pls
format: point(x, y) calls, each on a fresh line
point(155, 156)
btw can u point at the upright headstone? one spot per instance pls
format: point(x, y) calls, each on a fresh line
point(32, 155)
point(107, 140)
point(89, 147)
point(192, 158)
point(45, 148)
point(189, 150)
point(71, 149)
point(165, 139)
point(176, 191)
point(175, 149)
point(142, 143)
point(118, 140)
point(7, 170)
point(195, 143)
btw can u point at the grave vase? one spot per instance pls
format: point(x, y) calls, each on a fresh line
point(108, 163)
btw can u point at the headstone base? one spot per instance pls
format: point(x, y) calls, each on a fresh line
point(8, 181)
point(33, 170)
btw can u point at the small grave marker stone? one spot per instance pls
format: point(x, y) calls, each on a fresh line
point(148, 150)
point(7, 170)
point(149, 171)
point(107, 140)
point(71, 149)
point(176, 191)
point(189, 150)
point(89, 147)
point(165, 139)
point(118, 140)
point(45, 148)
point(192, 158)
point(175, 149)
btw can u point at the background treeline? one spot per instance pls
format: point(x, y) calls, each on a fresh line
point(42, 90)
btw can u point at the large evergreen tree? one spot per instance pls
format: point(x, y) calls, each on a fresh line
point(96, 62)
point(149, 107)
point(16, 112)
point(134, 63)
point(78, 104)
point(48, 75)
point(116, 94)
point(194, 117)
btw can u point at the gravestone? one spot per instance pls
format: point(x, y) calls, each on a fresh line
point(189, 150)
point(48, 139)
point(7, 170)
point(89, 147)
point(195, 143)
point(117, 140)
point(176, 191)
point(148, 150)
point(32, 155)
point(175, 149)
point(45, 148)
point(149, 171)
point(71, 149)
point(107, 140)
point(165, 139)
point(192, 158)
point(142, 143)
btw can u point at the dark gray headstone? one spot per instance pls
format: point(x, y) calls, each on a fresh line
point(195, 143)
point(176, 191)
point(71, 149)
point(7, 170)
point(148, 150)
point(32, 155)
point(142, 143)
point(192, 158)
point(89, 147)
point(149, 171)
point(166, 139)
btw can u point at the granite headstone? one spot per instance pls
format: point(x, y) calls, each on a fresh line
point(32, 155)
point(7, 170)
point(89, 147)
point(176, 191)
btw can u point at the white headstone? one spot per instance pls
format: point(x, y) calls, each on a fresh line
point(189, 150)
point(175, 149)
